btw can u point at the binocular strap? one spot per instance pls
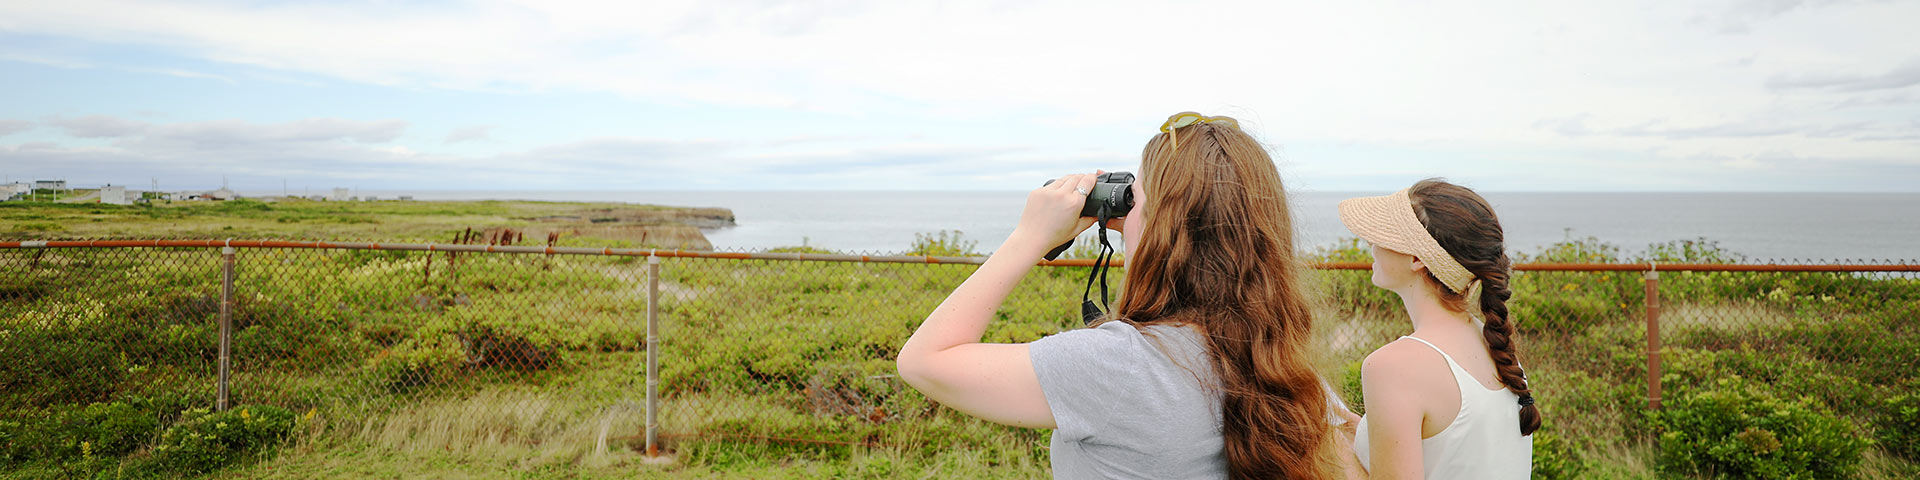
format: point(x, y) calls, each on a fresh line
point(1089, 311)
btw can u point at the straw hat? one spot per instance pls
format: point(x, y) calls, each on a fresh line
point(1389, 222)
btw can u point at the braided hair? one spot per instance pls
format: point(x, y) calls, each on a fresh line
point(1464, 224)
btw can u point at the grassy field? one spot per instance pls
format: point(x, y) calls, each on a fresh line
point(390, 221)
point(389, 364)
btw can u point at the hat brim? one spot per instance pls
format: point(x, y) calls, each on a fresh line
point(1371, 218)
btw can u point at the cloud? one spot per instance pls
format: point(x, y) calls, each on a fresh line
point(1573, 126)
point(1739, 16)
point(53, 61)
point(1577, 126)
point(1727, 130)
point(9, 127)
point(98, 126)
point(1012, 85)
point(343, 152)
point(922, 160)
point(470, 133)
point(224, 134)
point(1901, 76)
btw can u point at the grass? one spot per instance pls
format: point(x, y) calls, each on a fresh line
point(390, 221)
point(529, 366)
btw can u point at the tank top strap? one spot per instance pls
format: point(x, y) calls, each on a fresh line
point(1458, 371)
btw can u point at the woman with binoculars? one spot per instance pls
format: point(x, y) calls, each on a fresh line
point(1202, 368)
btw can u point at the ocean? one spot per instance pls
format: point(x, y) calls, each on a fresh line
point(1762, 226)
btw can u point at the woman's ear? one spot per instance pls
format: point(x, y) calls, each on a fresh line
point(1417, 265)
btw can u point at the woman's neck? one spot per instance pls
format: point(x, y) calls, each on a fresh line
point(1429, 315)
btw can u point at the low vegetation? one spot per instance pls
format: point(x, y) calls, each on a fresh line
point(385, 364)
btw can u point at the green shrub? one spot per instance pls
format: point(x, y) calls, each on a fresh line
point(1899, 426)
point(49, 358)
point(417, 362)
point(1350, 290)
point(298, 342)
point(1556, 458)
point(203, 442)
point(66, 434)
point(1350, 388)
point(1737, 429)
point(1699, 250)
point(945, 243)
point(1567, 302)
point(799, 249)
point(38, 227)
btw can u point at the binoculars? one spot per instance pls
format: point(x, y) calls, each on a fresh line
point(1111, 197)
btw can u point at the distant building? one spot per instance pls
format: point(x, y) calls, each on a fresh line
point(16, 187)
point(339, 195)
point(222, 194)
point(49, 184)
point(406, 198)
point(113, 195)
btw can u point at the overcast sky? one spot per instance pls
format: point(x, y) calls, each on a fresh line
point(1776, 95)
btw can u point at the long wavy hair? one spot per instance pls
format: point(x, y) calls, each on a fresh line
point(1216, 252)
point(1464, 224)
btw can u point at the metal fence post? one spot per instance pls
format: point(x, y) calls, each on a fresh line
point(1653, 338)
point(226, 324)
point(653, 352)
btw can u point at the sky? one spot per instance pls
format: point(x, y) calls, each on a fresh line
point(1630, 95)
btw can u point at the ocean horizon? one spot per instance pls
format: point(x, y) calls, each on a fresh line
point(1760, 225)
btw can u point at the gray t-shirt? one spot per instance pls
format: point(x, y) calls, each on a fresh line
point(1131, 405)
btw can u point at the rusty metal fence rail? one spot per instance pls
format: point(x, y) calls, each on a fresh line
point(797, 347)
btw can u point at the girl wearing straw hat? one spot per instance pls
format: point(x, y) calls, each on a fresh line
point(1449, 400)
point(1200, 370)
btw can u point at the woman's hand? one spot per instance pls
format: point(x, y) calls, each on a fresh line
point(1052, 215)
point(1351, 425)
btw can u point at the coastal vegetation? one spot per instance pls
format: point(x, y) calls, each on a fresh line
point(385, 221)
point(386, 364)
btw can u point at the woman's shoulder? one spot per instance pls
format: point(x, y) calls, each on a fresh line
point(1401, 358)
point(1110, 337)
point(1121, 340)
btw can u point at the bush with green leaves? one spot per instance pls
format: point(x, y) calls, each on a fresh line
point(415, 363)
point(1566, 302)
point(51, 356)
point(203, 442)
point(1899, 426)
point(1738, 429)
point(1556, 458)
point(1349, 290)
point(945, 243)
point(61, 436)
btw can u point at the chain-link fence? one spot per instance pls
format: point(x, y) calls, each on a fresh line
point(779, 354)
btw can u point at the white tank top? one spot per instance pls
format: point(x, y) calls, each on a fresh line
point(1483, 441)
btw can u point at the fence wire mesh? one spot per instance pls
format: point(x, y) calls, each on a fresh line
point(771, 357)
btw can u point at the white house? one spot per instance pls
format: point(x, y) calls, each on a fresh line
point(339, 195)
point(114, 195)
point(49, 184)
point(16, 187)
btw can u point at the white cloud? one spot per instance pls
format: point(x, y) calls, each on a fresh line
point(1731, 79)
point(259, 155)
point(1902, 76)
point(470, 134)
point(9, 127)
point(98, 126)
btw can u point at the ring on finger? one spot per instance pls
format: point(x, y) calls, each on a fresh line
point(1081, 191)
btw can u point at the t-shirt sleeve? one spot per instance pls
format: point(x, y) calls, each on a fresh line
point(1083, 374)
